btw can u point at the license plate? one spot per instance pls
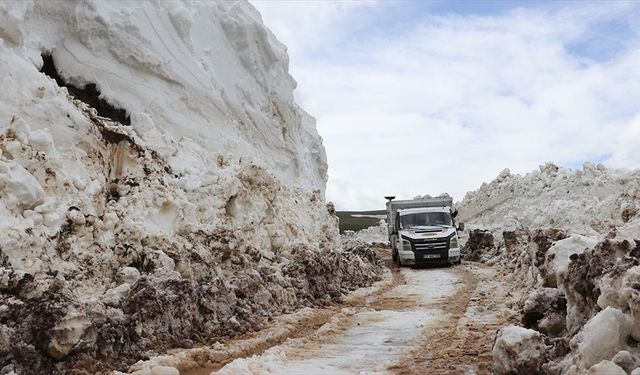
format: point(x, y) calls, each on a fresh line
point(431, 256)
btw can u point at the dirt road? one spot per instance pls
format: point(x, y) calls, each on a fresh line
point(415, 321)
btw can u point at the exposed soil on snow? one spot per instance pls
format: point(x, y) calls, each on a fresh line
point(159, 186)
point(392, 327)
point(304, 325)
point(461, 342)
point(567, 243)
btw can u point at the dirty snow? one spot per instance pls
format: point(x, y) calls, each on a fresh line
point(372, 339)
point(567, 241)
point(206, 215)
point(587, 201)
point(214, 193)
point(518, 350)
point(373, 235)
point(380, 335)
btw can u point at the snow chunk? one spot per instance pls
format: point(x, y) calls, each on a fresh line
point(19, 183)
point(545, 311)
point(66, 334)
point(128, 275)
point(518, 350)
point(159, 263)
point(5, 340)
point(114, 296)
point(603, 336)
point(559, 253)
point(76, 217)
point(630, 231)
point(626, 360)
point(606, 368)
point(618, 291)
point(41, 140)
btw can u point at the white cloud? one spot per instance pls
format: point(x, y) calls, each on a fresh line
point(627, 152)
point(452, 100)
point(305, 25)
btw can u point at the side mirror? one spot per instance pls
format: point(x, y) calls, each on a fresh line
point(461, 227)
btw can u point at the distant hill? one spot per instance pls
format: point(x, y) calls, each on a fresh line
point(357, 220)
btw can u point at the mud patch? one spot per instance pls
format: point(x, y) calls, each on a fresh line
point(461, 341)
point(367, 338)
point(479, 245)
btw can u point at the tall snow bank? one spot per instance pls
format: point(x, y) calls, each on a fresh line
point(569, 244)
point(195, 78)
point(199, 220)
point(589, 201)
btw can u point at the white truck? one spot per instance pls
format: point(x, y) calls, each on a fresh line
point(423, 231)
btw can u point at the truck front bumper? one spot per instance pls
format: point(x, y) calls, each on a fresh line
point(409, 258)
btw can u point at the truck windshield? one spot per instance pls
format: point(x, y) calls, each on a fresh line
point(425, 219)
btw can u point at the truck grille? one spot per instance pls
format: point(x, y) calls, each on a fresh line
point(429, 251)
point(430, 245)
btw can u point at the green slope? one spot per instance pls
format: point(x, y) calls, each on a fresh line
point(348, 222)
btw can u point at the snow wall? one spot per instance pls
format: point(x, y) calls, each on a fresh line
point(159, 187)
point(569, 243)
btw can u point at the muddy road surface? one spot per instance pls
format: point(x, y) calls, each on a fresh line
point(415, 321)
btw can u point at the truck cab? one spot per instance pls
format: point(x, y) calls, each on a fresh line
point(423, 231)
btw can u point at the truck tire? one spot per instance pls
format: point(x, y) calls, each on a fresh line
point(394, 252)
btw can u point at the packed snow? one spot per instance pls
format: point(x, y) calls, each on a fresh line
point(375, 235)
point(568, 240)
point(159, 186)
point(161, 189)
point(383, 335)
point(587, 201)
point(518, 350)
point(372, 339)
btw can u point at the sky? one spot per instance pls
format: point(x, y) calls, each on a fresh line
point(416, 97)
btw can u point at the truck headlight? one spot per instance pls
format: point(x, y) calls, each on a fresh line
point(406, 245)
point(454, 241)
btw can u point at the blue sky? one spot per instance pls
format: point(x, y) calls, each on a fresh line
point(417, 97)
